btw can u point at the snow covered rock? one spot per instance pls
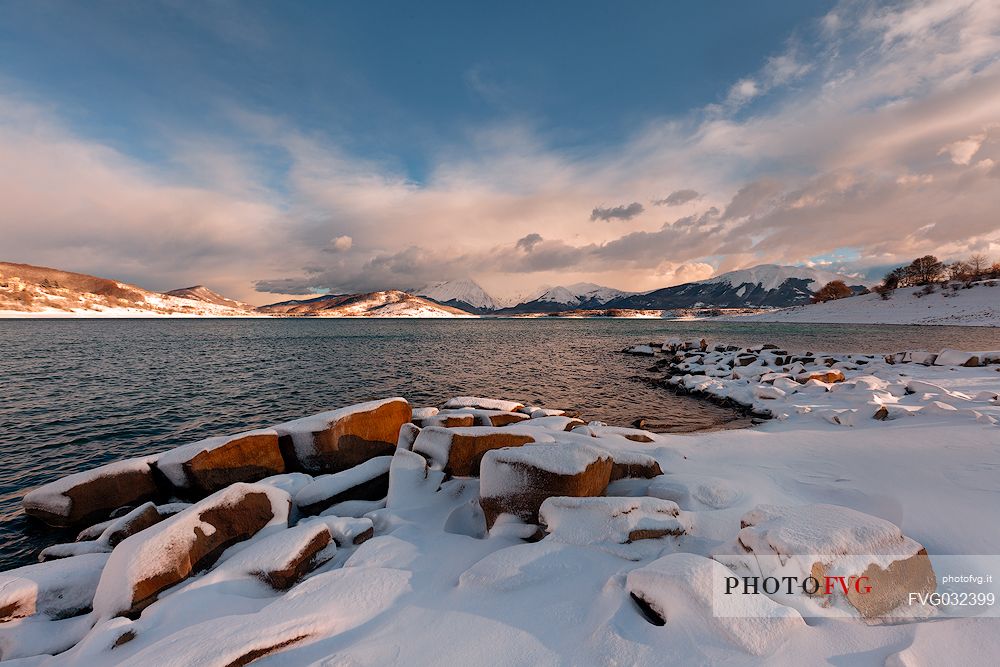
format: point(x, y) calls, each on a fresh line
point(459, 451)
point(115, 531)
point(326, 605)
point(948, 357)
point(446, 420)
point(282, 558)
point(517, 480)
point(830, 540)
point(150, 561)
point(600, 429)
point(590, 520)
point(829, 377)
point(208, 465)
point(482, 403)
point(346, 531)
point(641, 350)
point(687, 591)
point(341, 439)
point(57, 589)
point(92, 495)
point(412, 483)
point(407, 436)
point(551, 422)
point(368, 481)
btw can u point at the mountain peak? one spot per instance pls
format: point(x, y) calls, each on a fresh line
point(464, 293)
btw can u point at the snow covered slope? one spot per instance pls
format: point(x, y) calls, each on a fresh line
point(202, 293)
point(390, 303)
point(463, 294)
point(978, 306)
point(764, 285)
point(37, 291)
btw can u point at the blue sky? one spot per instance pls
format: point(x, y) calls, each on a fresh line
point(280, 148)
point(386, 80)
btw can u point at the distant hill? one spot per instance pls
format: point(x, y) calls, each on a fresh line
point(202, 293)
point(27, 291)
point(390, 303)
point(767, 285)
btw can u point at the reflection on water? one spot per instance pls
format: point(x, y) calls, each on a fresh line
point(77, 393)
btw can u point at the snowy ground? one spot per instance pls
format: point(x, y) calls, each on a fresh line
point(434, 587)
point(978, 306)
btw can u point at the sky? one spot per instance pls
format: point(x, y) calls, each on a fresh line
point(269, 150)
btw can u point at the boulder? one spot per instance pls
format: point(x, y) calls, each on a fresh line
point(346, 531)
point(949, 357)
point(57, 589)
point(208, 465)
point(90, 496)
point(114, 532)
point(447, 420)
point(341, 439)
point(590, 520)
point(283, 558)
point(459, 451)
point(483, 403)
point(517, 480)
point(368, 481)
point(828, 377)
point(162, 556)
point(829, 540)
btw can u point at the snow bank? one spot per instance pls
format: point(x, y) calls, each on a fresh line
point(687, 590)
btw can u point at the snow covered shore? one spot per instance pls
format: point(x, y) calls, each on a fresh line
point(489, 531)
point(952, 305)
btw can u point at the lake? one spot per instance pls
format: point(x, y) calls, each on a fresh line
point(78, 393)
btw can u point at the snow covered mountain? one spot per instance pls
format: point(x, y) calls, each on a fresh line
point(463, 294)
point(38, 291)
point(570, 297)
point(389, 303)
point(764, 285)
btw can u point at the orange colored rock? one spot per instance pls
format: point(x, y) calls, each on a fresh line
point(206, 466)
point(155, 559)
point(822, 376)
point(341, 439)
point(518, 480)
point(91, 496)
point(459, 451)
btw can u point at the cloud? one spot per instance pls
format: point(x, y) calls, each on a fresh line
point(622, 212)
point(875, 134)
point(528, 242)
point(678, 197)
point(963, 150)
point(341, 243)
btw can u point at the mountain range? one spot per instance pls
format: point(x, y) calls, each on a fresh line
point(26, 289)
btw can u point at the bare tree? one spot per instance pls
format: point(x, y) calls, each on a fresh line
point(978, 265)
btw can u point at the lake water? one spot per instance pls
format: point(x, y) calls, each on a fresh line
point(78, 393)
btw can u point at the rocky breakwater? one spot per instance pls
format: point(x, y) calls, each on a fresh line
point(772, 383)
point(240, 546)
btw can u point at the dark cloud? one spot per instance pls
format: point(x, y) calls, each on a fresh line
point(751, 198)
point(623, 212)
point(678, 197)
point(285, 286)
point(529, 242)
